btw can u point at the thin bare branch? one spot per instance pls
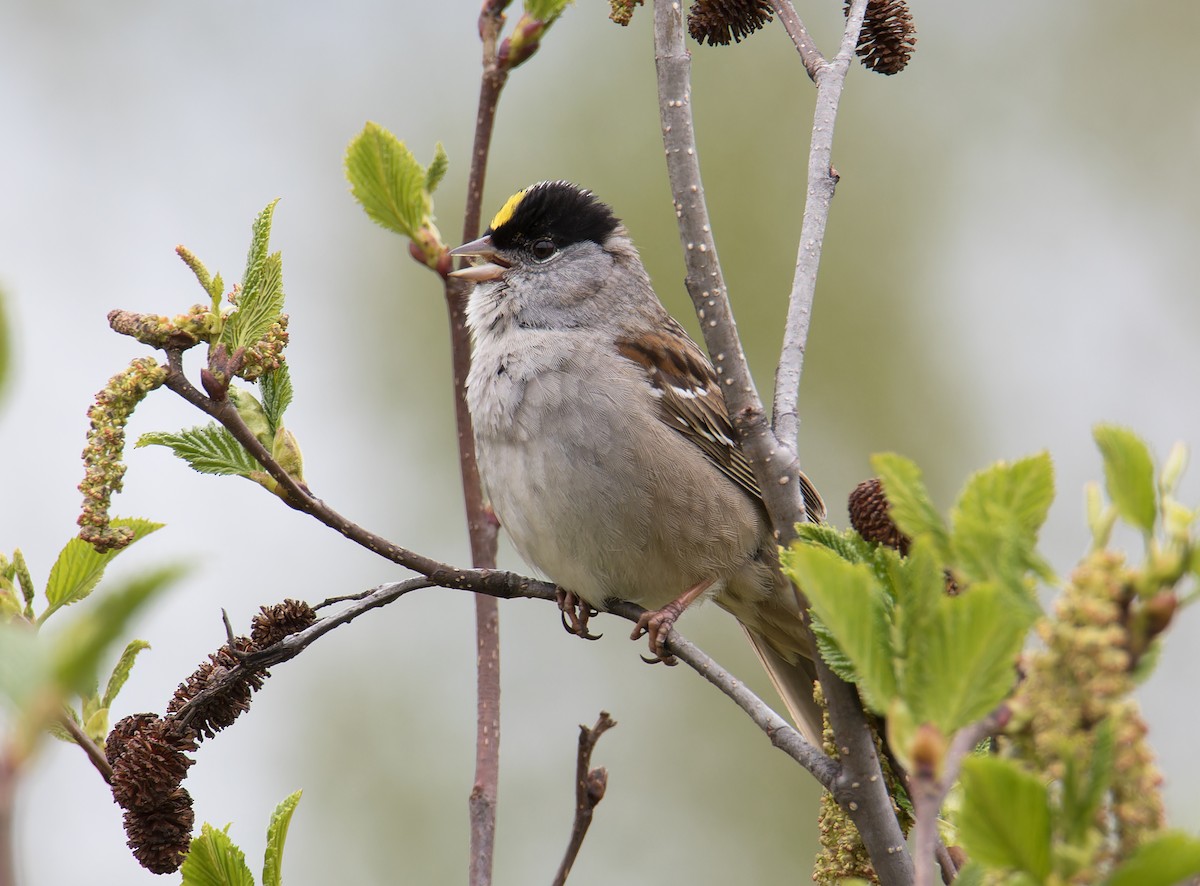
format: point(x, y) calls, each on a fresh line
point(291, 646)
point(509, 586)
point(590, 785)
point(929, 787)
point(482, 527)
point(299, 497)
point(94, 752)
point(779, 731)
point(809, 54)
point(830, 79)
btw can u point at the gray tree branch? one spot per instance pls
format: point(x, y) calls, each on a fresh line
point(809, 54)
point(482, 527)
point(775, 467)
point(830, 78)
point(858, 784)
point(929, 788)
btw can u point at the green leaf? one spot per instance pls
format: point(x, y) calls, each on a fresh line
point(1005, 817)
point(901, 730)
point(966, 663)
point(1165, 860)
point(214, 860)
point(285, 449)
point(79, 567)
point(911, 508)
point(831, 653)
point(1173, 468)
point(258, 308)
point(852, 604)
point(1128, 474)
point(260, 301)
point(1101, 516)
point(120, 673)
point(91, 702)
point(997, 518)
point(437, 168)
point(253, 414)
point(259, 256)
point(216, 290)
point(387, 180)
point(209, 449)
point(276, 836)
point(848, 544)
point(546, 10)
point(96, 725)
point(77, 650)
point(276, 389)
point(920, 586)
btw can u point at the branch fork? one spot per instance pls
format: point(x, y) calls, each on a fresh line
point(856, 780)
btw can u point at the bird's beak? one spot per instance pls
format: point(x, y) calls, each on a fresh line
point(491, 269)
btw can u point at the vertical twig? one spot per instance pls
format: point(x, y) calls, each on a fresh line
point(830, 78)
point(931, 782)
point(481, 523)
point(590, 785)
point(775, 467)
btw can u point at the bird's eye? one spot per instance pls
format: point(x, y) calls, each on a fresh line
point(543, 249)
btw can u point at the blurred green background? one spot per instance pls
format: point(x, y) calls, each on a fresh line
point(1010, 259)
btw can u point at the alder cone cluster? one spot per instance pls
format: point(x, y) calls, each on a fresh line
point(148, 754)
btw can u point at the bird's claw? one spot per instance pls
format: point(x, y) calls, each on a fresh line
point(575, 614)
point(657, 624)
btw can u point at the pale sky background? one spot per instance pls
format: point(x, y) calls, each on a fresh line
point(1010, 260)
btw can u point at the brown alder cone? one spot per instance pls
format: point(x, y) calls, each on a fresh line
point(888, 37)
point(870, 515)
point(717, 22)
point(273, 623)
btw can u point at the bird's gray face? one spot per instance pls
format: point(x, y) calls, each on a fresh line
point(540, 285)
point(548, 261)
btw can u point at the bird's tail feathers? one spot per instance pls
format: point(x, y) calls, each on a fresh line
point(793, 680)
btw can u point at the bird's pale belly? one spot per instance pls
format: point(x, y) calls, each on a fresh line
point(592, 531)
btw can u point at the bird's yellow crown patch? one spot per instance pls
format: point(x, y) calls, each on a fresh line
point(507, 210)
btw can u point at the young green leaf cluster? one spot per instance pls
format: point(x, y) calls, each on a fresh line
point(1075, 759)
point(211, 449)
point(527, 35)
point(934, 641)
point(245, 341)
point(918, 654)
point(214, 858)
point(396, 191)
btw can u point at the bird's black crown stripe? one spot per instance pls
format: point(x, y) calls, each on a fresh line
point(559, 211)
